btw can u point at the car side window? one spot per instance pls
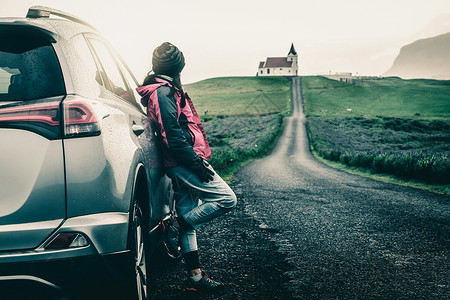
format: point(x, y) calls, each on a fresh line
point(133, 85)
point(109, 74)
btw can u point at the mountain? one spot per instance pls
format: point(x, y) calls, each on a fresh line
point(437, 26)
point(425, 58)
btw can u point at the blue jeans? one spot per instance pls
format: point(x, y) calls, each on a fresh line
point(198, 202)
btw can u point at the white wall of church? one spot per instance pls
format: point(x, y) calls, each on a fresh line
point(276, 71)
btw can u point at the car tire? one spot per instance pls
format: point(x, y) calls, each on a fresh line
point(138, 285)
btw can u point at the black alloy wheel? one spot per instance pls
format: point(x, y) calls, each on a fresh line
point(138, 247)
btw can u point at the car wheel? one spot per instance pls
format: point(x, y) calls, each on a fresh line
point(138, 253)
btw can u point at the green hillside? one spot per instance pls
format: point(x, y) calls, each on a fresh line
point(228, 96)
point(387, 97)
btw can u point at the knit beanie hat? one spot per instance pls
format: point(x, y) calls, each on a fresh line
point(167, 60)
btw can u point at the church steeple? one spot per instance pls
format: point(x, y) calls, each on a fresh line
point(292, 51)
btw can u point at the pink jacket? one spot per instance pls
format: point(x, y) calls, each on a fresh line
point(183, 137)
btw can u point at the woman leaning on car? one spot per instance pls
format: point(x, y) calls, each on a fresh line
point(200, 193)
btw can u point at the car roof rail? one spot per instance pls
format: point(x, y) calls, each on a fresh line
point(38, 11)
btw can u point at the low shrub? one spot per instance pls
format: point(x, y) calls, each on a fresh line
point(407, 148)
point(237, 139)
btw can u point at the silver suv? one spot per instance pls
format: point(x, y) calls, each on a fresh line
point(81, 180)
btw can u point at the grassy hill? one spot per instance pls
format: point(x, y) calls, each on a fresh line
point(231, 96)
point(387, 97)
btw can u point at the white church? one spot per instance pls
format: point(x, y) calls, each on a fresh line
point(280, 66)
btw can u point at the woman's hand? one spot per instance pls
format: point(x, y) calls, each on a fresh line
point(203, 170)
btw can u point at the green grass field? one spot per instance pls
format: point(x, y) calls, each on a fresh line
point(392, 96)
point(233, 96)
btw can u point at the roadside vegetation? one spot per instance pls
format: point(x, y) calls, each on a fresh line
point(387, 126)
point(242, 116)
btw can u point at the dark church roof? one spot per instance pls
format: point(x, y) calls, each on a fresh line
point(277, 62)
point(292, 50)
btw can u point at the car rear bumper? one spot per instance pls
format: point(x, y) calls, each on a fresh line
point(104, 259)
point(105, 232)
point(69, 276)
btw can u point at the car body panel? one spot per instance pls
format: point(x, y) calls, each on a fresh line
point(31, 188)
point(27, 235)
point(105, 232)
point(100, 170)
point(161, 193)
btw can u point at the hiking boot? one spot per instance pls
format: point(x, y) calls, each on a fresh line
point(205, 284)
point(171, 239)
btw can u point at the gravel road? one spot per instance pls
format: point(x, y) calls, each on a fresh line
point(303, 230)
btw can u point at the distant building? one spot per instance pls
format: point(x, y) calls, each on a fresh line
point(280, 66)
point(339, 76)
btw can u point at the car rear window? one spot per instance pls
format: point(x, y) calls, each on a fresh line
point(29, 68)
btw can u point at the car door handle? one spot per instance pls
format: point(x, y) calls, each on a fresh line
point(137, 129)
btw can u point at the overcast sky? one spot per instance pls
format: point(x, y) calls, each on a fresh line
point(229, 38)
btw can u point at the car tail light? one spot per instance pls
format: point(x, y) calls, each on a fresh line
point(43, 113)
point(40, 117)
point(67, 240)
point(79, 119)
point(45, 118)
